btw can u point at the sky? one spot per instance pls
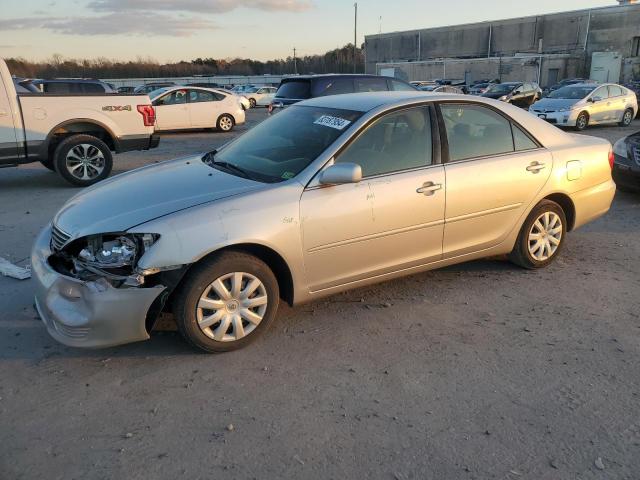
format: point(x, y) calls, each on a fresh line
point(171, 30)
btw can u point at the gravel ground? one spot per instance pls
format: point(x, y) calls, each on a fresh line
point(477, 371)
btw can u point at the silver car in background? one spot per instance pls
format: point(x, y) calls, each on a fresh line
point(333, 193)
point(583, 104)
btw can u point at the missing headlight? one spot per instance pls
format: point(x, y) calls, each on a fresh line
point(113, 257)
point(116, 253)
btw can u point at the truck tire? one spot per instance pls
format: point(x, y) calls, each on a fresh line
point(48, 163)
point(83, 160)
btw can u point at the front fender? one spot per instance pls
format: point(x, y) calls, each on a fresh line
point(270, 218)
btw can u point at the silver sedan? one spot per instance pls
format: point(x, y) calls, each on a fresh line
point(331, 194)
point(583, 104)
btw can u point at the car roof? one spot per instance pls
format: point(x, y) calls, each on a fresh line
point(333, 75)
point(364, 102)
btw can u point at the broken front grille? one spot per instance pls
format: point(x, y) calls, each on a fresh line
point(58, 238)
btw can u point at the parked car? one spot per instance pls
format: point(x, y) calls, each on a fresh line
point(634, 86)
point(261, 96)
point(480, 88)
point(626, 163)
point(242, 89)
point(455, 82)
point(586, 104)
point(335, 193)
point(568, 81)
point(150, 87)
point(203, 84)
point(125, 90)
point(441, 89)
point(180, 108)
point(24, 85)
point(72, 135)
point(73, 86)
point(520, 94)
point(294, 89)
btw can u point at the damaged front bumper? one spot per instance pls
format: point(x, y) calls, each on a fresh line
point(87, 313)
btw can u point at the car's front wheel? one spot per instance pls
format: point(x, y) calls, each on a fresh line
point(541, 237)
point(252, 102)
point(226, 302)
point(582, 121)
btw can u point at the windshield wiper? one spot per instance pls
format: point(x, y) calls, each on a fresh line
point(230, 167)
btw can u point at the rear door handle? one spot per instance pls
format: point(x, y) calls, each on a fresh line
point(429, 188)
point(535, 167)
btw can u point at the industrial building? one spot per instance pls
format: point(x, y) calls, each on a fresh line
point(600, 43)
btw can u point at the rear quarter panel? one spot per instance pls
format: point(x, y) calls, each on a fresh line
point(581, 170)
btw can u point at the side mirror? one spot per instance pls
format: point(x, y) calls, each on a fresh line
point(595, 99)
point(340, 173)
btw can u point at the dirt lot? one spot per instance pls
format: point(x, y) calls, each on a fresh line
point(478, 371)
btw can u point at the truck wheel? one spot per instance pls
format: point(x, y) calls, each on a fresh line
point(48, 163)
point(83, 160)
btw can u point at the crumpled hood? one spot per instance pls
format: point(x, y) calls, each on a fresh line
point(554, 104)
point(141, 195)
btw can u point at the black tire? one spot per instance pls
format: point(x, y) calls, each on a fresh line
point(200, 277)
point(48, 163)
point(69, 143)
point(627, 118)
point(225, 123)
point(252, 102)
point(582, 121)
point(520, 254)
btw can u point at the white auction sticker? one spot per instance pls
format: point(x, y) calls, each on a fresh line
point(333, 122)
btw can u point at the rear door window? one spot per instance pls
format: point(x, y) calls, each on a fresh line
point(331, 86)
point(475, 131)
point(398, 86)
point(371, 85)
point(296, 89)
point(614, 91)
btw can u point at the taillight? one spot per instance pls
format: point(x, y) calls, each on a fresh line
point(611, 159)
point(148, 115)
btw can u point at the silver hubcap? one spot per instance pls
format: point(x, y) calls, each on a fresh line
point(231, 307)
point(582, 121)
point(627, 117)
point(85, 161)
point(226, 123)
point(545, 236)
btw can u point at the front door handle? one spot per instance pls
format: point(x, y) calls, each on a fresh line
point(535, 167)
point(429, 188)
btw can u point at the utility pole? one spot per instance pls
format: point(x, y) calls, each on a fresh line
point(355, 35)
point(295, 62)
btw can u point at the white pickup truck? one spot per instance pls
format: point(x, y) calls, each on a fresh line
point(73, 135)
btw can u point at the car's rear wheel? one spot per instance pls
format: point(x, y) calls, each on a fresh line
point(627, 117)
point(582, 121)
point(541, 237)
point(83, 160)
point(225, 123)
point(226, 302)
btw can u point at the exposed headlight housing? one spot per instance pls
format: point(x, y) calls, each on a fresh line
point(113, 255)
point(620, 148)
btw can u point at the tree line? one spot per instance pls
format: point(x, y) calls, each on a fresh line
point(339, 60)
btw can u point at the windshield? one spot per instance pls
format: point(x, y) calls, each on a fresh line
point(501, 88)
point(571, 92)
point(294, 89)
point(282, 146)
